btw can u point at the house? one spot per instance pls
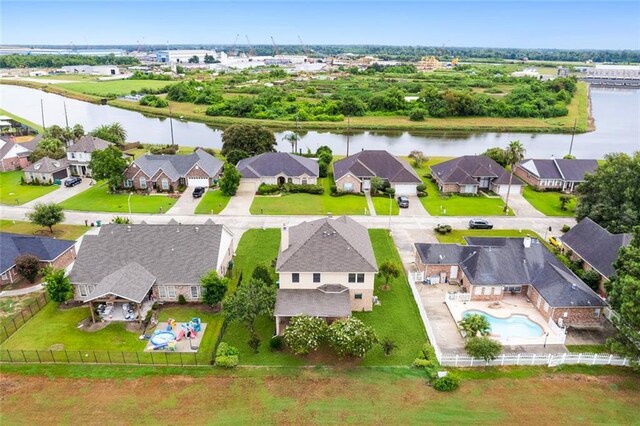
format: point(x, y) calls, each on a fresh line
point(326, 269)
point(79, 154)
point(470, 173)
point(354, 173)
point(163, 172)
point(50, 251)
point(46, 170)
point(276, 168)
point(492, 268)
point(555, 174)
point(13, 156)
point(597, 247)
point(131, 263)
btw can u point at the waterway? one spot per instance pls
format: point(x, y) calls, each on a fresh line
point(616, 113)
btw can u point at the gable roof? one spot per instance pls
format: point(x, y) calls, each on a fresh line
point(177, 166)
point(379, 163)
point(597, 246)
point(173, 254)
point(12, 149)
point(44, 248)
point(47, 165)
point(506, 261)
point(275, 163)
point(131, 282)
point(467, 169)
point(568, 170)
point(89, 143)
point(328, 245)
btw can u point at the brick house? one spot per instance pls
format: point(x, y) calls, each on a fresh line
point(50, 251)
point(162, 172)
point(326, 269)
point(276, 168)
point(79, 154)
point(470, 173)
point(46, 170)
point(14, 156)
point(491, 268)
point(555, 174)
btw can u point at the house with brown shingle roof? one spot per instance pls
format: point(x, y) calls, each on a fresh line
point(471, 173)
point(79, 154)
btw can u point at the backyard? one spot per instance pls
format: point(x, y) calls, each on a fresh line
point(62, 232)
point(213, 202)
point(548, 202)
point(98, 199)
point(13, 193)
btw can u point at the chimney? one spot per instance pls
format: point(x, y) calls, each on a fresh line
point(527, 241)
point(284, 237)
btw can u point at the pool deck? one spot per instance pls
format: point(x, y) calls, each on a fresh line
point(182, 345)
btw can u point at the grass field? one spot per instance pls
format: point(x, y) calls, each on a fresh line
point(381, 204)
point(114, 87)
point(213, 202)
point(548, 203)
point(22, 120)
point(62, 232)
point(12, 193)
point(98, 199)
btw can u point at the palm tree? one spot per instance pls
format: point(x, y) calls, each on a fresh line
point(293, 139)
point(513, 154)
point(117, 130)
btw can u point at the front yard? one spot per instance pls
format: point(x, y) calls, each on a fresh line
point(12, 193)
point(62, 232)
point(213, 202)
point(98, 199)
point(381, 204)
point(548, 202)
point(456, 236)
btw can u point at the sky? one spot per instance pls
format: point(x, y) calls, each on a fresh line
point(561, 24)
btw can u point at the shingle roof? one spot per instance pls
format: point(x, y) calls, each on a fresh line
point(275, 163)
point(177, 166)
point(316, 303)
point(44, 248)
point(47, 165)
point(131, 282)
point(328, 245)
point(6, 146)
point(466, 169)
point(89, 143)
point(506, 261)
point(596, 245)
point(568, 170)
point(379, 163)
point(174, 254)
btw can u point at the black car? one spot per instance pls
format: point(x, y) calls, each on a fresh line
point(72, 181)
point(480, 224)
point(403, 202)
point(198, 191)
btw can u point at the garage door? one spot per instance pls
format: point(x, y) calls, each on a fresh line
point(247, 186)
point(515, 189)
point(405, 189)
point(198, 182)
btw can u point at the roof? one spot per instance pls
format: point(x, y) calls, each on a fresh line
point(131, 282)
point(89, 143)
point(177, 166)
point(276, 163)
point(314, 302)
point(466, 170)
point(597, 246)
point(506, 261)
point(328, 245)
point(379, 163)
point(44, 248)
point(47, 165)
point(568, 170)
point(12, 149)
point(174, 254)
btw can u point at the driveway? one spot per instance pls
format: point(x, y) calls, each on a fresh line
point(61, 194)
point(521, 207)
point(239, 204)
point(415, 209)
point(186, 204)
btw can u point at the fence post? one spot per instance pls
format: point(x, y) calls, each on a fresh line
point(138, 358)
point(30, 311)
point(610, 359)
point(39, 359)
point(195, 358)
point(109, 356)
point(456, 363)
point(518, 360)
point(67, 355)
point(533, 360)
point(593, 361)
point(81, 357)
point(9, 354)
point(579, 357)
point(95, 358)
point(502, 362)
point(14, 323)
point(471, 365)
point(38, 302)
point(22, 315)
point(152, 361)
point(123, 361)
point(166, 359)
point(24, 356)
point(181, 364)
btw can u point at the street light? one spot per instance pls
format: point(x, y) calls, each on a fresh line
point(545, 340)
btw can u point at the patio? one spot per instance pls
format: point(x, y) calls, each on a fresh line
point(123, 311)
point(184, 344)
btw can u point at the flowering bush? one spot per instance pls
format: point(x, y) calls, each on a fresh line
point(305, 333)
point(351, 337)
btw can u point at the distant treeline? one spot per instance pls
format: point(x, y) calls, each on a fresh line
point(56, 61)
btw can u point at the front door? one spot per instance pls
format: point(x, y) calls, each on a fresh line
point(366, 184)
point(454, 271)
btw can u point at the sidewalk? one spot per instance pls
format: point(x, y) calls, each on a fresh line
point(372, 210)
point(20, 292)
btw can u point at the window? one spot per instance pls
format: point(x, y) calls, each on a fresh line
point(357, 296)
point(596, 312)
point(195, 292)
point(352, 278)
point(289, 180)
point(165, 184)
point(73, 155)
point(304, 181)
point(171, 291)
point(128, 183)
point(360, 278)
point(162, 291)
point(348, 186)
point(143, 183)
point(295, 277)
point(83, 290)
point(316, 277)
point(478, 290)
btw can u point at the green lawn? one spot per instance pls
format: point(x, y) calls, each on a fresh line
point(457, 235)
point(454, 204)
point(97, 199)
point(588, 349)
point(309, 204)
point(113, 87)
point(548, 202)
point(381, 204)
point(213, 202)
point(62, 232)
point(12, 193)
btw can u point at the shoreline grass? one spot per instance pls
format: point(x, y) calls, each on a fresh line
point(31, 124)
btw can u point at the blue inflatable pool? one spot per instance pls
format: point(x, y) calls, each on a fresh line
point(162, 337)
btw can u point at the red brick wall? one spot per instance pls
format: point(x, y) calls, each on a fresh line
point(197, 173)
point(65, 259)
point(578, 316)
point(526, 176)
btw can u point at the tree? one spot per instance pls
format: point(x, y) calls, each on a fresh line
point(569, 157)
point(483, 347)
point(417, 114)
point(108, 164)
point(28, 266)
point(497, 155)
point(304, 333)
point(113, 132)
point(214, 288)
point(387, 271)
point(251, 300)
point(230, 180)
point(209, 59)
point(418, 158)
point(377, 184)
point(194, 59)
point(292, 138)
point(77, 131)
point(251, 138)
point(48, 147)
point(58, 286)
point(611, 195)
point(564, 200)
point(513, 154)
point(324, 149)
point(48, 214)
point(261, 272)
point(236, 155)
point(388, 345)
point(351, 337)
point(475, 324)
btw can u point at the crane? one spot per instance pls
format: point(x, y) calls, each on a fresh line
point(276, 51)
point(233, 51)
point(250, 52)
point(304, 47)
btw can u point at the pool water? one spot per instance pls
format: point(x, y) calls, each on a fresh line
point(513, 326)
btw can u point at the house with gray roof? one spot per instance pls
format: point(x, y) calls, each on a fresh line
point(354, 173)
point(276, 168)
point(46, 170)
point(162, 172)
point(555, 174)
point(493, 268)
point(14, 156)
point(471, 173)
point(326, 269)
point(79, 154)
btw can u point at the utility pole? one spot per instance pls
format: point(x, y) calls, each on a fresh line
point(575, 122)
point(171, 125)
point(66, 118)
point(348, 133)
point(42, 113)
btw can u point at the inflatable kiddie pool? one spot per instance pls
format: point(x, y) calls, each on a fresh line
point(162, 337)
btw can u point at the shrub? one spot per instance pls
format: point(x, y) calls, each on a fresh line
point(305, 333)
point(121, 220)
point(565, 228)
point(276, 343)
point(421, 188)
point(226, 356)
point(443, 229)
point(305, 189)
point(58, 286)
point(351, 337)
point(154, 306)
point(181, 300)
point(254, 342)
point(388, 346)
point(447, 383)
point(322, 169)
point(266, 189)
point(390, 191)
point(28, 266)
point(483, 347)
point(417, 114)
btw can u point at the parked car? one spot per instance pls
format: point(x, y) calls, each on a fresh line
point(480, 224)
point(403, 202)
point(198, 191)
point(72, 181)
point(555, 241)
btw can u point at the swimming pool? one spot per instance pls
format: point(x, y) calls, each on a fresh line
point(513, 326)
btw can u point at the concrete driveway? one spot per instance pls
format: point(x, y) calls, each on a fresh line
point(415, 209)
point(239, 204)
point(186, 204)
point(521, 206)
point(61, 194)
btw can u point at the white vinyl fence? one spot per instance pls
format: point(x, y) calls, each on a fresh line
point(550, 360)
